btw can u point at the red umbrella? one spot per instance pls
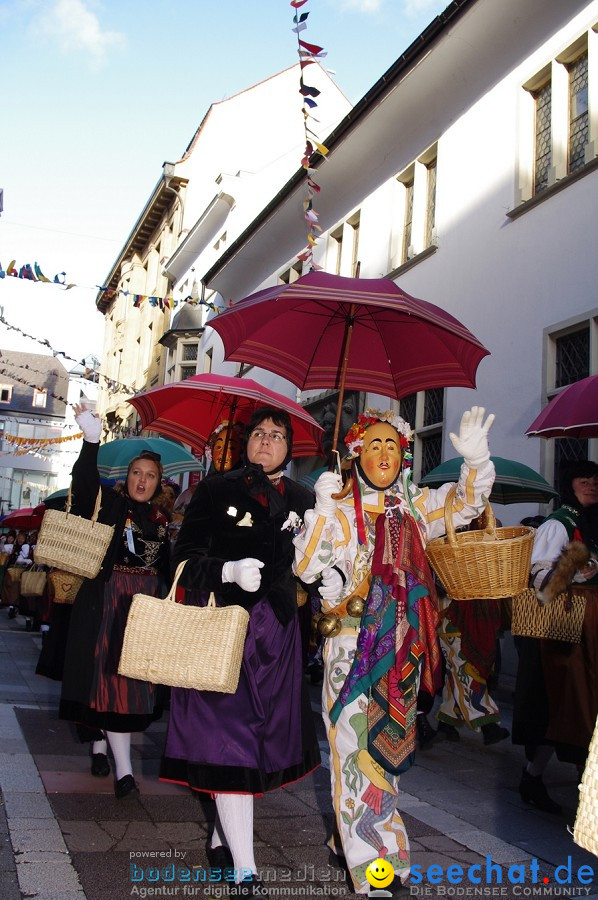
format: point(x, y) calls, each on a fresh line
point(326, 331)
point(573, 413)
point(24, 519)
point(190, 410)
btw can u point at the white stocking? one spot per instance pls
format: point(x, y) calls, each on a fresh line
point(541, 759)
point(99, 746)
point(235, 814)
point(217, 839)
point(120, 744)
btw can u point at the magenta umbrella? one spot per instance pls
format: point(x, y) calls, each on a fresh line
point(366, 334)
point(24, 519)
point(189, 410)
point(573, 413)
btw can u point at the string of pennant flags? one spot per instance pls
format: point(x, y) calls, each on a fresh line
point(112, 385)
point(308, 54)
point(29, 272)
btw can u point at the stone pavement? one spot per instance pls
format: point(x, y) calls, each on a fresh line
point(65, 836)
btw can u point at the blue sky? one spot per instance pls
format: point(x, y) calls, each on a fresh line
point(99, 93)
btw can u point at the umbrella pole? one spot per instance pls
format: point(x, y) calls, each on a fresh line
point(341, 388)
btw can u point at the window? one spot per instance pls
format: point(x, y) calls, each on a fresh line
point(290, 275)
point(39, 399)
point(187, 372)
point(570, 351)
point(578, 112)
point(335, 244)
point(5, 393)
point(414, 228)
point(556, 122)
point(343, 247)
point(207, 361)
point(542, 100)
point(190, 352)
point(424, 411)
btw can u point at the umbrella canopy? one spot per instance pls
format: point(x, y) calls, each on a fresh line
point(573, 413)
point(327, 331)
point(24, 519)
point(190, 410)
point(57, 495)
point(514, 483)
point(114, 457)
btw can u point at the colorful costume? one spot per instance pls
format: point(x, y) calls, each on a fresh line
point(376, 539)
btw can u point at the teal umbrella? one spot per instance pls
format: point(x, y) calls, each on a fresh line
point(114, 457)
point(514, 483)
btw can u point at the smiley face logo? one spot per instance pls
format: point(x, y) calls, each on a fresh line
point(379, 873)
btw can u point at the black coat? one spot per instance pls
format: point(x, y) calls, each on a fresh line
point(210, 536)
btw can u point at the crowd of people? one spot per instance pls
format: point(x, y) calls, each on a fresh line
point(391, 641)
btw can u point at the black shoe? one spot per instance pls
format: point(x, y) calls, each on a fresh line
point(425, 732)
point(447, 732)
point(12, 612)
point(100, 767)
point(126, 787)
point(221, 858)
point(493, 733)
point(249, 887)
point(533, 791)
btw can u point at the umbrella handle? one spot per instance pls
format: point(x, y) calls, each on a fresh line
point(346, 490)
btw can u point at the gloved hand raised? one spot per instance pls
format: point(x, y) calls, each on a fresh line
point(331, 585)
point(244, 572)
point(90, 424)
point(472, 441)
point(327, 484)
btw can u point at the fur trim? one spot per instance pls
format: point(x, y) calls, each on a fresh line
point(573, 557)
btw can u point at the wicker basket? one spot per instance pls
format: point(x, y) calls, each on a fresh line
point(198, 647)
point(73, 543)
point(63, 586)
point(481, 565)
point(585, 830)
point(559, 620)
point(33, 582)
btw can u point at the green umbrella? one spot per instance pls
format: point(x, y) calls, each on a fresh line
point(514, 483)
point(114, 457)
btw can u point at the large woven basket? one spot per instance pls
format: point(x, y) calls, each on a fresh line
point(585, 830)
point(560, 620)
point(198, 647)
point(481, 565)
point(71, 542)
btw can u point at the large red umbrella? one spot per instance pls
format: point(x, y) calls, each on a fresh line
point(190, 410)
point(327, 331)
point(573, 413)
point(24, 519)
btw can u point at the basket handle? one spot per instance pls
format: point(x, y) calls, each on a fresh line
point(171, 595)
point(448, 517)
point(96, 509)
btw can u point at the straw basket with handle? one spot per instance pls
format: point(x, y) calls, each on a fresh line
point(63, 586)
point(72, 543)
point(585, 830)
point(481, 565)
point(198, 647)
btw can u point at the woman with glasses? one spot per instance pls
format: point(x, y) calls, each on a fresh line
point(237, 538)
point(106, 706)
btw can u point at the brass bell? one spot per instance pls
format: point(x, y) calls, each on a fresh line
point(355, 607)
point(329, 625)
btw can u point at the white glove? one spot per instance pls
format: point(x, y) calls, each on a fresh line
point(328, 483)
point(472, 441)
point(331, 585)
point(90, 425)
point(244, 572)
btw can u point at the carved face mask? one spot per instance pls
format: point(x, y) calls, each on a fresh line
point(381, 456)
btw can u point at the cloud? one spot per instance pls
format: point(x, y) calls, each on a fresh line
point(74, 25)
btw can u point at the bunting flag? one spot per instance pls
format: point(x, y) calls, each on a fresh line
point(112, 385)
point(34, 273)
point(41, 442)
point(308, 54)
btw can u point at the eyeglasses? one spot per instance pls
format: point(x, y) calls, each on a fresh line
point(277, 437)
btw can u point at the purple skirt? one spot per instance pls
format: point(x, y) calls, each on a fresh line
point(260, 738)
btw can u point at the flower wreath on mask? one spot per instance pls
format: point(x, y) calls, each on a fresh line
point(355, 437)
